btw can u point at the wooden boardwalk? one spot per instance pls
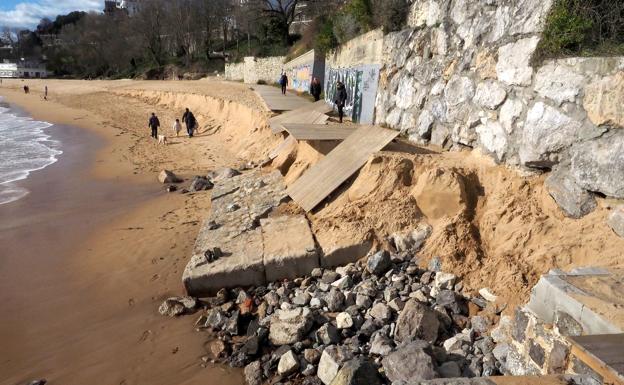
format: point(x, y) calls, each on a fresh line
point(337, 166)
point(314, 113)
point(603, 353)
point(275, 101)
point(302, 131)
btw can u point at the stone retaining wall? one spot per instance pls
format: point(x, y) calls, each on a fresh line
point(253, 70)
point(461, 76)
point(301, 70)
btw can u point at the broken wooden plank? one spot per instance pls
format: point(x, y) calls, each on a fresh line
point(303, 131)
point(311, 117)
point(289, 141)
point(603, 353)
point(337, 166)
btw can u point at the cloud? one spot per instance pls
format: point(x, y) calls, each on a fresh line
point(28, 14)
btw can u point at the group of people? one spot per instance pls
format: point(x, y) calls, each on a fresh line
point(187, 118)
point(27, 91)
point(316, 89)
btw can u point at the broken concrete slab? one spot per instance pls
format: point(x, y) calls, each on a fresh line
point(238, 204)
point(289, 249)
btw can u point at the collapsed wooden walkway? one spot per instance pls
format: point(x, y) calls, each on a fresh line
point(275, 101)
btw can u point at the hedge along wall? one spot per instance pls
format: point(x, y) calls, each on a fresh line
point(356, 63)
point(302, 69)
point(253, 70)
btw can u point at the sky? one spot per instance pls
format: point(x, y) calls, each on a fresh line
point(27, 13)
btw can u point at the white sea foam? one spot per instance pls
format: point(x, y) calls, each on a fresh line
point(24, 148)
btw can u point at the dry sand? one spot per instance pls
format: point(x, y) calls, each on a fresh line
point(97, 321)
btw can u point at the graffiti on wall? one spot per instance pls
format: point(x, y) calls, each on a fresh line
point(361, 84)
point(300, 78)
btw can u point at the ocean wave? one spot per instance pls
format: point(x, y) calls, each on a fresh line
point(24, 147)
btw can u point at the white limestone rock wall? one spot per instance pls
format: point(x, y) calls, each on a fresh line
point(235, 71)
point(253, 69)
point(461, 75)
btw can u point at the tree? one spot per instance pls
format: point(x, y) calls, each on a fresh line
point(282, 13)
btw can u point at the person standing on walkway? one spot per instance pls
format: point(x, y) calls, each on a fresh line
point(341, 99)
point(154, 123)
point(315, 89)
point(189, 119)
point(284, 83)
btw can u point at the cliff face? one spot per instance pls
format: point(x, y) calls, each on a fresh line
point(461, 75)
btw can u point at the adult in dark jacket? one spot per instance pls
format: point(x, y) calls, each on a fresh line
point(189, 119)
point(315, 89)
point(154, 123)
point(284, 83)
point(341, 99)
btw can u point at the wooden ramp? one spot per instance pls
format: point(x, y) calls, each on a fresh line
point(603, 353)
point(337, 166)
point(313, 113)
point(302, 131)
point(275, 101)
point(290, 141)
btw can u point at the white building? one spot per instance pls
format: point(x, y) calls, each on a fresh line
point(131, 6)
point(26, 71)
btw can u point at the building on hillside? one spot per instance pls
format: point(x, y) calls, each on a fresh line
point(303, 18)
point(26, 70)
point(113, 7)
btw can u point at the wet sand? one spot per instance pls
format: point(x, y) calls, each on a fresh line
point(85, 263)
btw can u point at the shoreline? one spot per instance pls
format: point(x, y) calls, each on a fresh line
point(87, 266)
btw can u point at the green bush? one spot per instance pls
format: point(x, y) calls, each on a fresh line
point(582, 28)
point(326, 40)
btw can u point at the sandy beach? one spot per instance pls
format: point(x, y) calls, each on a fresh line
point(94, 248)
point(97, 245)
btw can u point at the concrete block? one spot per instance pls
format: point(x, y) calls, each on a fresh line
point(289, 249)
point(241, 265)
point(339, 251)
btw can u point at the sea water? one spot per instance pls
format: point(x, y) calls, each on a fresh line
point(24, 147)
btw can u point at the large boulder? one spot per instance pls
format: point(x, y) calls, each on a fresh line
point(493, 139)
point(514, 67)
point(603, 101)
point(547, 132)
point(166, 176)
point(490, 94)
point(332, 358)
point(417, 322)
point(575, 201)
point(409, 364)
point(290, 326)
point(597, 165)
point(358, 371)
point(558, 83)
point(616, 220)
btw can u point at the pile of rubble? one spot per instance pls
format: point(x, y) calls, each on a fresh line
point(380, 320)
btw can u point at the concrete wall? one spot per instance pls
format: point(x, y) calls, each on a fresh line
point(253, 69)
point(301, 70)
point(357, 64)
point(461, 76)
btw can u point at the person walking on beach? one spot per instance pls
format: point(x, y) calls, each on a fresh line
point(154, 123)
point(189, 119)
point(315, 89)
point(341, 99)
point(284, 83)
point(177, 127)
point(45, 93)
point(26, 89)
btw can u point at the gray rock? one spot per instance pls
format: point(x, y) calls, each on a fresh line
point(501, 351)
point(409, 363)
point(381, 312)
point(490, 94)
point(493, 139)
point(288, 364)
point(416, 321)
point(558, 83)
point(215, 319)
point(289, 326)
point(253, 373)
point(335, 300)
point(521, 321)
point(537, 353)
point(176, 306)
point(486, 345)
point(381, 345)
point(200, 183)
point(358, 371)
point(363, 301)
point(444, 281)
point(616, 220)
point(309, 370)
point(514, 67)
point(567, 325)
point(343, 283)
point(450, 300)
point(480, 324)
point(327, 334)
point(571, 198)
point(557, 359)
point(222, 174)
point(379, 263)
point(331, 360)
point(167, 176)
point(450, 369)
point(459, 90)
point(411, 240)
point(344, 321)
point(597, 165)
point(312, 356)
